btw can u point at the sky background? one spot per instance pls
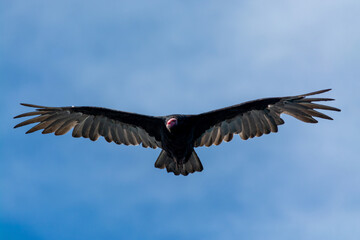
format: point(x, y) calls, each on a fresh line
point(161, 57)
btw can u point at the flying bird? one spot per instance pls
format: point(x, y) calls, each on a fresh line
point(177, 135)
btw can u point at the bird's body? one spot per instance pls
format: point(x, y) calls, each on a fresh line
point(179, 141)
point(177, 135)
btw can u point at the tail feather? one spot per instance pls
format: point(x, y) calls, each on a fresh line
point(192, 165)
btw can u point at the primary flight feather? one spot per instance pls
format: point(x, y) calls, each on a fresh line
point(177, 135)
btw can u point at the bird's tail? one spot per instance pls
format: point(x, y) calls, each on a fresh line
point(192, 165)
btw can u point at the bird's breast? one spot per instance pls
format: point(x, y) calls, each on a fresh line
point(178, 146)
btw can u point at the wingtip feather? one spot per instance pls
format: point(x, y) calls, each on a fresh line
point(32, 105)
point(316, 92)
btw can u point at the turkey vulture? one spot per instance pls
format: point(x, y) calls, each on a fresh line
point(177, 135)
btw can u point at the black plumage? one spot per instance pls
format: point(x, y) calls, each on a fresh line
point(177, 135)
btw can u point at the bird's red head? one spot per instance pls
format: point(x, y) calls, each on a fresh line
point(171, 123)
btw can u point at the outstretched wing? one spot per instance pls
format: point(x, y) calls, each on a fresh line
point(92, 122)
point(255, 118)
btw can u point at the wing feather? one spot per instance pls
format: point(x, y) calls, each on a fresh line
point(54, 126)
point(262, 120)
point(298, 113)
point(238, 125)
point(228, 137)
point(135, 135)
point(245, 133)
point(33, 120)
point(205, 138)
point(258, 123)
point(276, 116)
point(224, 128)
point(77, 132)
point(219, 136)
point(271, 121)
point(255, 118)
point(232, 126)
point(115, 134)
point(67, 126)
point(252, 127)
point(94, 129)
point(130, 135)
point(45, 124)
point(87, 125)
point(92, 122)
point(108, 136)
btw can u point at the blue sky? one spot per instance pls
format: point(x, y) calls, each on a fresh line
point(162, 57)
